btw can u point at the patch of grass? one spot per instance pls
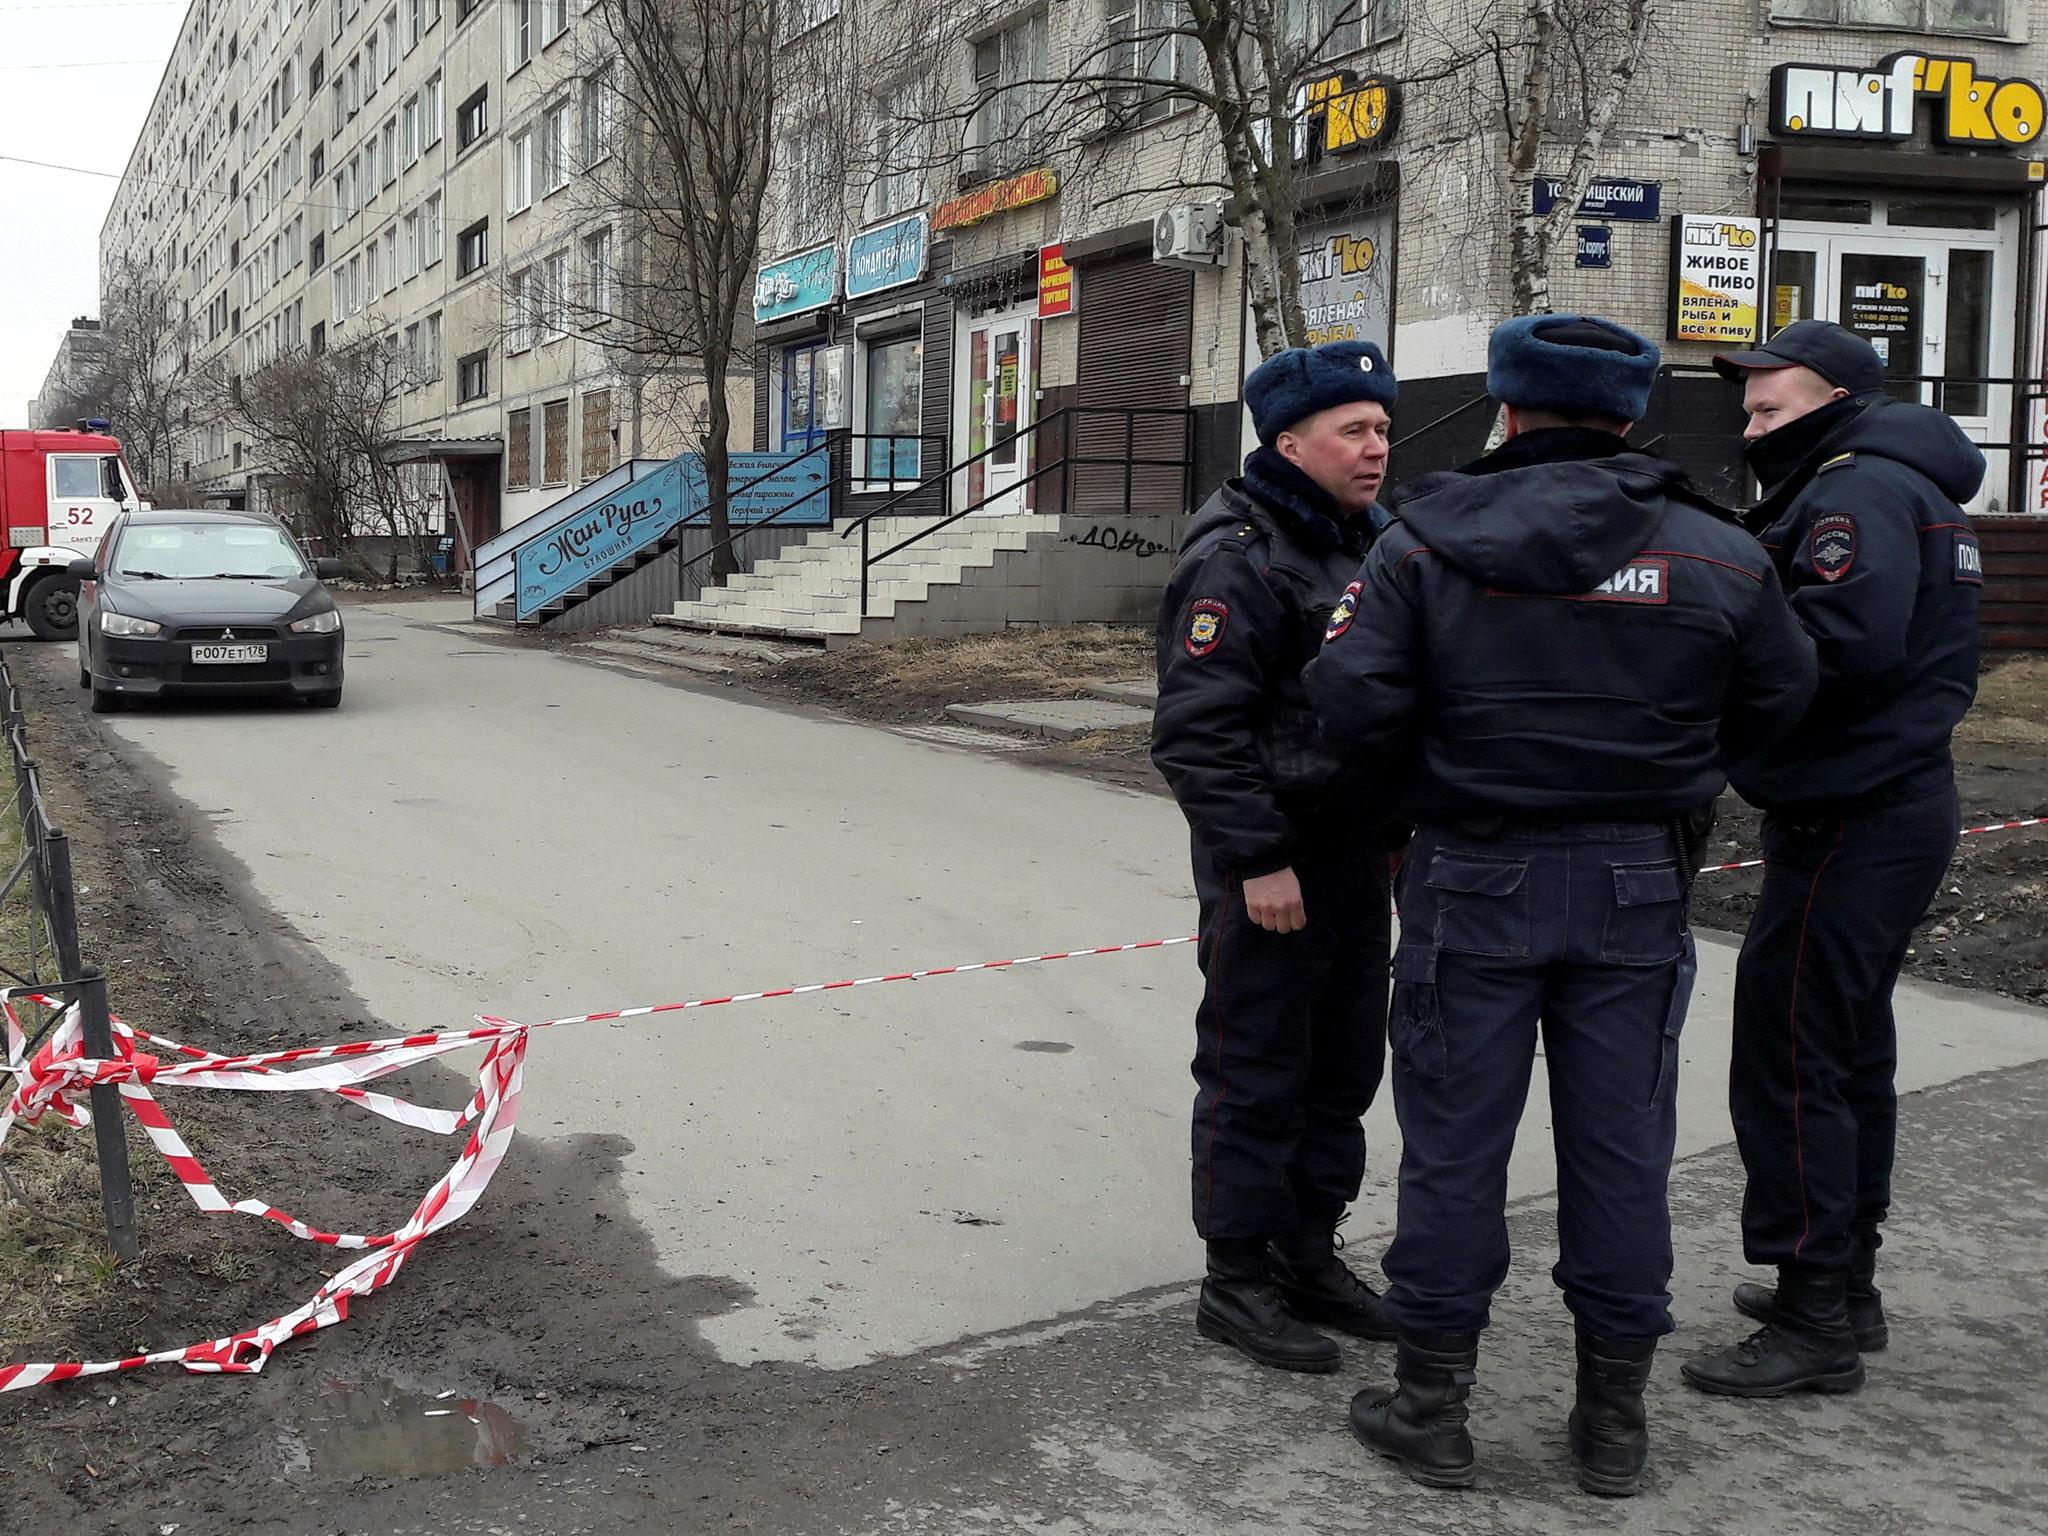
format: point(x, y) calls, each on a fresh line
point(2012, 705)
point(1022, 663)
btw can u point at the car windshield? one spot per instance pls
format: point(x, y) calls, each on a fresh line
point(187, 551)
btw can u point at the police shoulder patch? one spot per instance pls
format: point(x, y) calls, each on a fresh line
point(1969, 570)
point(1836, 462)
point(1832, 546)
point(1345, 611)
point(1205, 626)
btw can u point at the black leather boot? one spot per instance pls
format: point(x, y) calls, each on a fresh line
point(1319, 1287)
point(1609, 1428)
point(1808, 1347)
point(1421, 1423)
point(1866, 1303)
point(1241, 1305)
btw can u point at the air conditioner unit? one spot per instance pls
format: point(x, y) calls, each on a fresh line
point(1190, 235)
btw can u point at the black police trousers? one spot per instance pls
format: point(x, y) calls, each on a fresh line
point(1290, 1042)
point(1816, 1048)
point(1579, 930)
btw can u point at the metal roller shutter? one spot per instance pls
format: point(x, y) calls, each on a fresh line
point(1137, 338)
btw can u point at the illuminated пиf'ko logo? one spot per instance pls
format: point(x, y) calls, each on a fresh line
point(1830, 101)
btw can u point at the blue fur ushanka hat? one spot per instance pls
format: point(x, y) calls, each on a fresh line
point(1292, 386)
point(1575, 365)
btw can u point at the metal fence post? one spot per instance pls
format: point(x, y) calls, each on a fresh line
point(117, 1192)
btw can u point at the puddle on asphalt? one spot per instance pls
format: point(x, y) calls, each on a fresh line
point(376, 1428)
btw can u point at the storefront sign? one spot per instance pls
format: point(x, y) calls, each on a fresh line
point(1606, 198)
point(1828, 101)
point(1717, 266)
point(1882, 304)
point(1055, 283)
point(598, 538)
point(762, 485)
point(997, 197)
point(806, 281)
point(1353, 113)
point(887, 257)
point(1344, 281)
point(1596, 246)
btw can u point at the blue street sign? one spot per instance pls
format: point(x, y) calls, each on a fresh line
point(808, 280)
point(1596, 246)
point(642, 513)
point(887, 256)
point(1606, 198)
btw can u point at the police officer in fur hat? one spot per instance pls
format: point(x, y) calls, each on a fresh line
point(1551, 651)
point(1289, 860)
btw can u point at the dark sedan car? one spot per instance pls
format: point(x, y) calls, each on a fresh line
point(205, 603)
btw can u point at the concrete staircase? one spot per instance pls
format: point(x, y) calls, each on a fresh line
point(811, 591)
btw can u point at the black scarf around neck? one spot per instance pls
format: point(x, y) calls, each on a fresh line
point(1310, 511)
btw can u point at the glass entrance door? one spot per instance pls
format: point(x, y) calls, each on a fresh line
point(1936, 304)
point(998, 368)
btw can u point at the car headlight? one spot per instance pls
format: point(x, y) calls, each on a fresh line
point(113, 623)
point(318, 623)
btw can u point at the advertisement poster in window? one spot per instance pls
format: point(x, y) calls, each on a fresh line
point(1345, 272)
point(1717, 268)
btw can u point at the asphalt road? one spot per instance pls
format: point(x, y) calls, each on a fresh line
point(986, 1174)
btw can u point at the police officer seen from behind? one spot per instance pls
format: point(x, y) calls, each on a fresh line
point(1861, 518)
point(1289, 862)
point(1552, 650)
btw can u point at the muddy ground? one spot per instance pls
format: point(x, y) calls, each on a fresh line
point(1987, 929)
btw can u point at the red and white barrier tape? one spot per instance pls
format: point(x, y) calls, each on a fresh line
point(56, 1080)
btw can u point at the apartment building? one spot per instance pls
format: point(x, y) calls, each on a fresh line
point(313, 172)
point(71, 372)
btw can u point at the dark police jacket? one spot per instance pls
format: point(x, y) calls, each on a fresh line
point(1562, 631)
point(1233, 735)
point(1884, 572)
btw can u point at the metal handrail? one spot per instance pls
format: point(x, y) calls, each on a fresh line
point(1065, 461)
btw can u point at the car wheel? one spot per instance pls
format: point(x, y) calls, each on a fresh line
point(331, 699)
point(104, 700)
point(51, 608)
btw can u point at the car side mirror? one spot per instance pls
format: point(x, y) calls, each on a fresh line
point(327, 568)
point(84, 570)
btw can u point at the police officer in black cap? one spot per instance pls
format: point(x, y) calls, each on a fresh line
point(1289, 859)
point(1552, 649)
point(1861, 518)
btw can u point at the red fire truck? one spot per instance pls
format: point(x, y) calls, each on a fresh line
point(59, 492)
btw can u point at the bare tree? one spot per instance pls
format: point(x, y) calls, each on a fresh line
point(687, 93)
point(326, 428)
point(144, 381)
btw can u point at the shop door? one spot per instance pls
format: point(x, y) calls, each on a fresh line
point(1937, 307)
point(998, 372)
point(805, 408)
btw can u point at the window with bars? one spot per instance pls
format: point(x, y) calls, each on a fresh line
point(1976, 18)
point(597, 433)
point(554, 463)
point(518, 449)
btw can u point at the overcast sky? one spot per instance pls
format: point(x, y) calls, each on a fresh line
point(76, 81)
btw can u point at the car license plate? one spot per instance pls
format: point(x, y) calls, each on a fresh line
point(230, 653)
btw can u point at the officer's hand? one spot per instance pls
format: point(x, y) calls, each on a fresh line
point(1274, 902)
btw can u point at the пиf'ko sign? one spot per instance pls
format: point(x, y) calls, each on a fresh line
point(1717, 273)
point(1971, 110)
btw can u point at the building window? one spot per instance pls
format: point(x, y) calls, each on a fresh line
point(892, 405)
point(554, 17)
point(554, 147)
point(464, 9)
point(412, 131)
point(800, 16)
point(473, 377)
point(810, 179)
point(597, 275)
point(518, 449)
point(551, 296)
point(472, 119)
point(519, 170)
point(899, 151)
point(411, 246)
point(473, 248)
point(431, 346)
point(316, 253)
point(518, 33)
point(554, 460)
point(599, 115)
point(1005, 134)
point(430, 233)
point(1150, 55)
point(391, 152)
point(1981, 18)
point(430, 114)
point(519, 310)
point(597, 433)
